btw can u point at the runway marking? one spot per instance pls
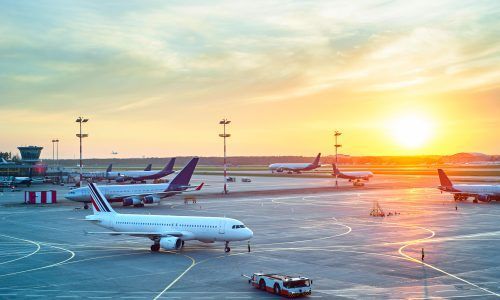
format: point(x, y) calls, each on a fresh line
point(44, 267)
point(193, 263)
point(25, 256)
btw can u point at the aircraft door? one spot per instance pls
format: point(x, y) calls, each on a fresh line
point(222, 225)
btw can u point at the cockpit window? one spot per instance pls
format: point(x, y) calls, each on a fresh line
point(238, 226)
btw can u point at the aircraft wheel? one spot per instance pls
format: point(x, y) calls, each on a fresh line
point(475, 200)
point(227, 249)
point(155, 248)
point(182, 245)
point(86, 206)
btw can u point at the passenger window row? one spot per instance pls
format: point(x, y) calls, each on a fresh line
point(163, 224)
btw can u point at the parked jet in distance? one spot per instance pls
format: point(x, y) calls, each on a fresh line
point(97, 175)
point(142, 176)
point(148, 167)
point(166, 232)
point(295, 167)
point(140, 194)
point(480, 192)
point(354, 176)
point(4, 162)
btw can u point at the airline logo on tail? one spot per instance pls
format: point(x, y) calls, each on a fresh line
point(99, 202)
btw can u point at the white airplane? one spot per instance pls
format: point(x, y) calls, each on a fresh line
point(355, 176)
point(166, 232)
point(480, 192)
point(140, 194)
point(295, 167)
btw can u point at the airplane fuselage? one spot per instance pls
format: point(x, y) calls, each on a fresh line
point(204, 229)
point(115, 193)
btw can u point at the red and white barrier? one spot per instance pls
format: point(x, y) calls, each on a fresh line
point(40, 197)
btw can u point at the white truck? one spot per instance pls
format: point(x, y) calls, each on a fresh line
point(283, 285)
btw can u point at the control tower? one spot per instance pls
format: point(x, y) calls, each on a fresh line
point(30, 154)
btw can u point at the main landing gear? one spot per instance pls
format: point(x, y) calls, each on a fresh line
point(86, 206)
point(227, 249)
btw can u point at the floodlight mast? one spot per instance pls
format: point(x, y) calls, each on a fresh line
point(225, 135)
point(337, 145)
point(81, 136)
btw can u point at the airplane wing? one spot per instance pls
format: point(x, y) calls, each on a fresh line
point(140, 234)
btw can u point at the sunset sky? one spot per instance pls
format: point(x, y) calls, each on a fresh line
point(155, 77)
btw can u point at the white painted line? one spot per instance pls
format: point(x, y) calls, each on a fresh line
point(193, 263)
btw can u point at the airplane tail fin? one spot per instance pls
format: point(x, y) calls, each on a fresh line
point(184, 176)
point(444, 180)
point(110, 167)
point(316, 160)
point(3, 160)
point(148, 167)
point(99, 203)
point(169, 168)
point(336, 170)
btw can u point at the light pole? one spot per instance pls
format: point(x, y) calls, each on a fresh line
point(81, 136)
point(224, 135)
point(337, 146)
point(57, 144)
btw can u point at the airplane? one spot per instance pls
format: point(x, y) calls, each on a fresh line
point(480, 192)
point(148, 167)
point(97, 175)
point(355, 176)
point(295, 167)
point(114, 152)
point(140, 194)
point(142, 176)
point(4, 162)
point(166, 232)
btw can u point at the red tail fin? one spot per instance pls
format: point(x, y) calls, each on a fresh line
point(444, 180)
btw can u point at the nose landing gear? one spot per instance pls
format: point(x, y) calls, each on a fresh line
point(227, 249)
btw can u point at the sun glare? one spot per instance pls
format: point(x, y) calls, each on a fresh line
point(411, 131)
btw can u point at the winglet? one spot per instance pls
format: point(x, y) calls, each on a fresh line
point(199, 187)
point(444, 180)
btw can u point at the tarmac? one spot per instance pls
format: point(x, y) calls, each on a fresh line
point(302, 226)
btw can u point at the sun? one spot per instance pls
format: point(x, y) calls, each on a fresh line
point(412, 131)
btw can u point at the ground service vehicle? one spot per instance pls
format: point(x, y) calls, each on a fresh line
point(283, 285)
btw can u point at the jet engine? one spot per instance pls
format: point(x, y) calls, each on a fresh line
point(484, 198)
point(170, 243)
point(151, 199)
point(131, 201)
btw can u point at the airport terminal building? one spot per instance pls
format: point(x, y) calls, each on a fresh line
point(29, 165)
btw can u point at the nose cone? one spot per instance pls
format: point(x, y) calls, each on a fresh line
point(248, 233)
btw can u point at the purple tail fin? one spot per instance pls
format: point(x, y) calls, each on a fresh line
point(445, 181)
point(169, 168)
point(184, 176)
point(148, 167)
point(316, 160)
point(336, 170)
